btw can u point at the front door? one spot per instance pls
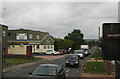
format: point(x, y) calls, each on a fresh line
point(29, 51)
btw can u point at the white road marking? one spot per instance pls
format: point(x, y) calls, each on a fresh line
point(67, 70)
point(62, 64)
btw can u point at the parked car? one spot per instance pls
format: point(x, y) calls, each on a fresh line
point(62, 51)
point(48, 71)
point(51, 52)
point(72, 60)
point(81, 53)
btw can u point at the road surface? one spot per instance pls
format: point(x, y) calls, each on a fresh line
point(70, 71)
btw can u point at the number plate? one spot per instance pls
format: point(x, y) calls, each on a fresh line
point(71, 63)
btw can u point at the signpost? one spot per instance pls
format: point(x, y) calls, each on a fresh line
point(111, 41)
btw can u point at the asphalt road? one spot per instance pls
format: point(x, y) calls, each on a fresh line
point(70, 71)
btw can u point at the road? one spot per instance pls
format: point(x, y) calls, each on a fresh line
point(70, 71)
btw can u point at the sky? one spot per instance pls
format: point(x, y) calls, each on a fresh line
point(59, 18)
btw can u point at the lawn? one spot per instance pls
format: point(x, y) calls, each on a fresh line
point(95, 67)
point(11, 62)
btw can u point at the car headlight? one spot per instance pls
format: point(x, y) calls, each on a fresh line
point(76, 62)
point(66, 61)
point(86, 52)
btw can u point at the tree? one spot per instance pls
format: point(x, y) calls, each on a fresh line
point(62, 43)
point(77, 37)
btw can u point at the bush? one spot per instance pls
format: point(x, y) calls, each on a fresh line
point(98, 55)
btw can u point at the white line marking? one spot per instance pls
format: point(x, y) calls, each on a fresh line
point(67, 70)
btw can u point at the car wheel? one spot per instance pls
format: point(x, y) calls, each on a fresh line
point(82, 57)
point(52, 53)
point(77, 66)
point(66, 65)
point(64, 78)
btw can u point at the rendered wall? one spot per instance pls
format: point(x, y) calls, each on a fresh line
point(17, 50)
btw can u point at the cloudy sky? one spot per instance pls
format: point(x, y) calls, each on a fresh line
point(59, 18)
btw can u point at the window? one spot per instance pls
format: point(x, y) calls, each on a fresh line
point(13, 46)
point(4, 33)
point(48, 46)
point(30, 36)
point(9, 34)
point(38, 37)
point(37, 47)
point(44, 47)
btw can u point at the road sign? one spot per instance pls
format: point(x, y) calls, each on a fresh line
point(111, 41)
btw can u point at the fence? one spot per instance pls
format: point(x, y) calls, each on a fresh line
point(117, 69)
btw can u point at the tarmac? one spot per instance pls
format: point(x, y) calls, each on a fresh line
point(47, 59)
point(44, 60)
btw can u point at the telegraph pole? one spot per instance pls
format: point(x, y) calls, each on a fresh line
point(99, 33)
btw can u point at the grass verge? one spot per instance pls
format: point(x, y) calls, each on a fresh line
point(95, 67)
point(12, 62)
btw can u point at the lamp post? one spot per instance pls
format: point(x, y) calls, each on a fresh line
point(0, 51)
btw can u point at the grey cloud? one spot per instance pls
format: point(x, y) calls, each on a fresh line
point(60, 18)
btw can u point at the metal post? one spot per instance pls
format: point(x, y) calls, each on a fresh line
point(99, 33)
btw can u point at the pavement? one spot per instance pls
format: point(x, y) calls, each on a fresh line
point(50, 57)
point(97, 76)
point(45, 59)
point(95, 60)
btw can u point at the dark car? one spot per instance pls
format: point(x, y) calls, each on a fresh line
point(72, 60)
point(48, 71)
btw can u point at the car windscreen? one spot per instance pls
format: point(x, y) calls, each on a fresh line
point(78, 52)
point(85, 49)
point(45, 71)
point(49, 50)
point(72, 57)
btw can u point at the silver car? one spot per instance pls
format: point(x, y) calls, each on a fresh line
point(48, 71)
point(81, 53)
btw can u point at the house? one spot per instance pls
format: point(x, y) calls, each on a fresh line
point(26, 42)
